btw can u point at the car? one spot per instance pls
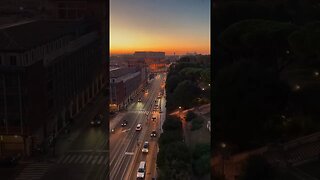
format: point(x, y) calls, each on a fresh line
point(124, 123)
point(96, 121)
point(139, 127)
point(153, 134)
point(139, 100)
point(145, 148)
point(141, 170)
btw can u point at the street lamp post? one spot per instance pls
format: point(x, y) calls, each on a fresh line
point(223, 145)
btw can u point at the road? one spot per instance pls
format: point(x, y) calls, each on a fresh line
point(80, 155)
point(126, 143)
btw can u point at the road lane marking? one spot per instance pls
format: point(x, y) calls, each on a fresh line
point(95, 159)
point(84, 157)
point(106, 160)
point(71, 159)
point(90, 157)
point(66, 159)
point(129, 153)
point(78, 158)
point(100, 160)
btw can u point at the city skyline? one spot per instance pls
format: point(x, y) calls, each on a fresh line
point(168, 26)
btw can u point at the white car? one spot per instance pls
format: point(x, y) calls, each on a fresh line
point(145, 148)
point(141, 170)
point(139, 127)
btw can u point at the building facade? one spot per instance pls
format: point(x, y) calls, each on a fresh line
point(46, 79)
point(125, 84)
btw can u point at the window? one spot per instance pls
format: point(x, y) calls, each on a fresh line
point(13, 60)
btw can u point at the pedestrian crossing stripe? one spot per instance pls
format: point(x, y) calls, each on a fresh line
point(83, 159)
point(33, 171)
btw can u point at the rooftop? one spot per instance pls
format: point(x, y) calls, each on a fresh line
point(23, 36)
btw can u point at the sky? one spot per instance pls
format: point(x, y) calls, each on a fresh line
point(180, 26)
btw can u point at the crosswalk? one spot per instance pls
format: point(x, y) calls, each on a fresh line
point(84, 158)
point(34, 171)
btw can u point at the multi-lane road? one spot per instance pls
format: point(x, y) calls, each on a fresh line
point(81, 154)
point(126, 143)
point(91, 153)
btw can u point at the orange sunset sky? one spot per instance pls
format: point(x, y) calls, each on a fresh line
point(160, 25)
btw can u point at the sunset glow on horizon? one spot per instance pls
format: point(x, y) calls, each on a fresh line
point(160, 25)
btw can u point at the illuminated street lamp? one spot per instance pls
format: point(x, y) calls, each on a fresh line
point(316, 73)
point(297, 87)
point(208, 84)
point(202, 89)
point(223, 145)
point(287, 52)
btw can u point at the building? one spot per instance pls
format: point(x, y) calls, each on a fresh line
point(46, 79)
point(125, 84)
point(149, 55)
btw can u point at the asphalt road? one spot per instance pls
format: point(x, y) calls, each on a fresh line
point(126, 143)
point(80, 155)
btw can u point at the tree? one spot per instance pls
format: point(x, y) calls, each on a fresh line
point(185, 94)
point(172, 123)
point(263, 41)
point(172, 82)
point(248, 96)
point(306, 44)
point(170, 136)
point(201, 159)
point(174, 161)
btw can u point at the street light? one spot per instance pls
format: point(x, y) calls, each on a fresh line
point(202, 89)
point(316, 73)
point(223, 145)
point(208, 84)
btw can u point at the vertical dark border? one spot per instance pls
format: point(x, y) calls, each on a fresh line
point(107, 59)
point(212, 70)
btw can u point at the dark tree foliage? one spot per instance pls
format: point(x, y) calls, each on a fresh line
point(172, 123)
point(174, 161)
point(186, 93)
point(248, 96)
point(201, 159)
